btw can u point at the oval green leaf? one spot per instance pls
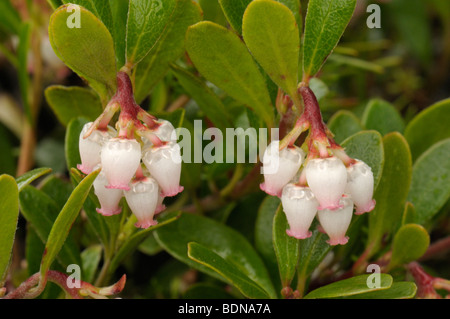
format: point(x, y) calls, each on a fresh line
point(88, 49)
point(410, 243)
point(392, 190)
point(9, 214)
point(221, 57)
point(223, 240)
point(398, 290)
point(430, 185)
point(383, 117)
point(61, 226)
point(344, 124)
point(325, 23)
point(349, 287)
point(428, 127)
point(71, 102)
point(271, 33)
point(227, 270)
point(146, 22)
point(30, 176)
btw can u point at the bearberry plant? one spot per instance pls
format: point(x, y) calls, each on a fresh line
point(121, 176)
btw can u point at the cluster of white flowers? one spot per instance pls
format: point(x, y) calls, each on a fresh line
point(141, 172)
point(322, 187)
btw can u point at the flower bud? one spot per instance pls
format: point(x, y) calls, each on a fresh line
point(336, 222)
point(360, 187)
point(109, 198)
point(90, 147)
point(279, 167)
point(164, 165)
point(300, 207)
point(142, 198)
point(120, 159)
point(327, 178)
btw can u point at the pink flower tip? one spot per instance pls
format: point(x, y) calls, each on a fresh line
point(270, 190)
point(338, 241)
point(366, 208)
point(146, 224)
point(84, 169)
point(331, 207)
point(298, 235)
point(160, 209)
point(106, 212)
point(172, 192)
point(125, 187)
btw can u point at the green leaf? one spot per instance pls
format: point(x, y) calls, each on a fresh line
point(428, 127)
point(382, 116)
point(344, 124)
point(119, 11)
point(9, 17)
point(40, 211)
point(367, 146)
point(392, 190)
point(409, 214)
point(132, 242)
point(430, 185)
point(55, 3)
point(168, 48)
point(57, 188)
point(349, 287)
point(230, 272)
point(9, 214)
point(271, 33)
point(325, 23)
point(223, 59)
point(286, 248)
point(398, 290)
point(212, 11)
point(71, 102)
point(206, 291)
point(223, 240)
point(409, 244)
point(87, 50)
point(146, 22)
point(30, 176)
point(90, 258)
point(72, 150)
point(207, 100)
point(61, 226)
point(234, 11)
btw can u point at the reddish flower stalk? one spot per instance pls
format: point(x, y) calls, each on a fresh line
point(427, 284)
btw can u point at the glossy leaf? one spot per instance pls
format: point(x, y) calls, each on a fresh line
point(224, 241)
point(207, 100)
point(344, 124)
point(325, 23)
point(392, 190)
point(146, 22)
point(40, 211)
point(367, 146)
point(430, 185)
point(230, 272)
point(286, 248)
point(9, 214)
point(168, 48)
point(410, 243)
point(119, 12)
point(409, 214)
point(87, 50)
point(90, 258)
point(30, 176)
point(223, 59)
point(349, 287)
point(234, 11)
point(71, 102)
point(428, 127)
point(61, 226)
point(270, 32)
point(382, 116)
point(398, 290)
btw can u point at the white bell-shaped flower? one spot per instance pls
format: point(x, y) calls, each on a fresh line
point(120, 159)
point(327, 178)
point(165, 132)
point(142, 198)
point(279, 167)
point(109, 198)
point(160, 207)
point(90, 147)
point(300, 207)
point(360, 186)
point(336, 222)
point(164, 164)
